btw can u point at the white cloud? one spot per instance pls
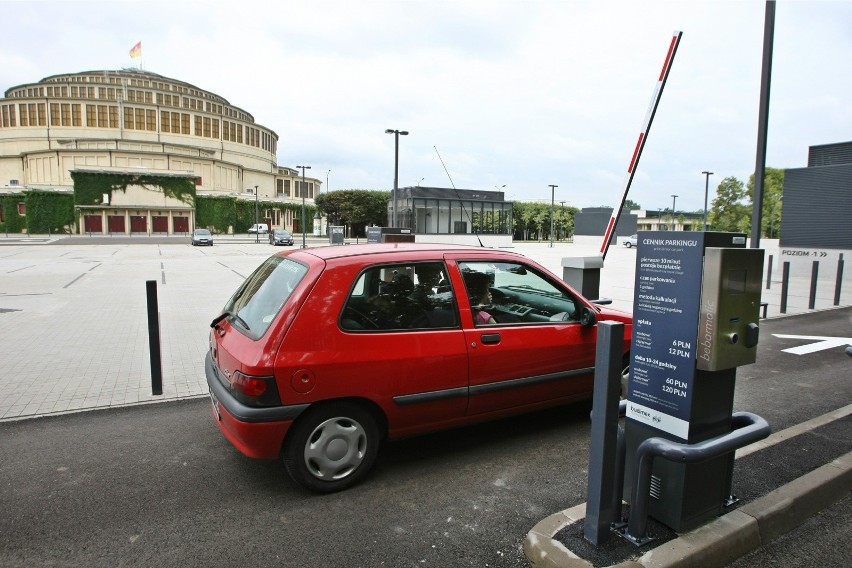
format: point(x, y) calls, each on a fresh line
point(518, 93)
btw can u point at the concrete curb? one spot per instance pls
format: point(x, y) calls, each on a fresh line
point(719, 542)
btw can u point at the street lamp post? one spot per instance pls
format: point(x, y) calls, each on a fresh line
point(706, 188)
point(396, 135)
point(304, 245)
point(552, 193)
point(674, 199)
point(256, 217)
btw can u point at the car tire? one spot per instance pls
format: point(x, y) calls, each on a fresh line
point(331, 447)
point(628, 244)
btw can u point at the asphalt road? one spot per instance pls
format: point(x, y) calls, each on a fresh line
point(157, 485)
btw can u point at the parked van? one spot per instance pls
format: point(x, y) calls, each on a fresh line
point(259, 229)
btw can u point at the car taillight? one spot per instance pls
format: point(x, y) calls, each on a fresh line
point(254, 391)
point(251, 386)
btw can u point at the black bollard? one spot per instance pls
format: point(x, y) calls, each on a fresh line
point(154, 338)
point(839, 282)
point(769, 273)
point(814, 276)
point(785, 280)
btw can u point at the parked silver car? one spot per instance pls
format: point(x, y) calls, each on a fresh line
point(280, 237)
point(202, 237)
point(631, 241)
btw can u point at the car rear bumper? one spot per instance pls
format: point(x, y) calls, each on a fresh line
point(256, 432)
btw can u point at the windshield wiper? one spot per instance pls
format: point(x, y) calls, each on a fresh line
point(227, 313)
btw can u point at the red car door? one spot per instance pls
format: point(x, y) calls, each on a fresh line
point(371, 341)
point(535, 351)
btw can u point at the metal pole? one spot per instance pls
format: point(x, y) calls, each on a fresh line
point(304, 245)
point(256, 218)
point(674, 199)
point(601, 508)
point(762, 123)
point(552, 193)
point(395, 175)
point(706, 190)
point(396, 135)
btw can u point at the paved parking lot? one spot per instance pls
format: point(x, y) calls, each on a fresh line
point(74, 317)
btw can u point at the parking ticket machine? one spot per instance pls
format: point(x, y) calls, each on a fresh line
point(730, 301)
point(695, 320)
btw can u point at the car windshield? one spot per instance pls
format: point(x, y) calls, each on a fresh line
point(262, 295)
point(202, 232)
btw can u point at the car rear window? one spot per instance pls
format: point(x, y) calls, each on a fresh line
point(256, 303)
point(401, 297)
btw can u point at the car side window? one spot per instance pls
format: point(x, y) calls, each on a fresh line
point(401, 297)
point(511, 292)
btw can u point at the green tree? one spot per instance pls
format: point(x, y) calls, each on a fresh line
point(355, 208)
point(531, 220)
point(730, 211)
point(773, 195)
point(631, 205)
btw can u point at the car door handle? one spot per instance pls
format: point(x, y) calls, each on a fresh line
point(490, 338)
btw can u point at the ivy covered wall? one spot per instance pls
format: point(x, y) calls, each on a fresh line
point(46, 212)
point(220, 213)
point(12, 222)
point(90, 187)
point(49, 212)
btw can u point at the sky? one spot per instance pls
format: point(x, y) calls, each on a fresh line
point(495, 94)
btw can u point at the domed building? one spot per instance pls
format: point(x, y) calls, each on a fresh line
point(134, 122)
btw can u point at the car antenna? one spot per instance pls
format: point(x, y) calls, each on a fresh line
point(461, 202)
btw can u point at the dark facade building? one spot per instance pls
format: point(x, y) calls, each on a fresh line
point(593, 221)
point(817, 206)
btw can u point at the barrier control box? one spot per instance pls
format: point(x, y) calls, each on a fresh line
point(695, 319)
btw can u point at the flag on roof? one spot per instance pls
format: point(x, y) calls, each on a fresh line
point(136, 51)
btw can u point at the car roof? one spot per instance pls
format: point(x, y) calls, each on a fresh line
point(337, 251)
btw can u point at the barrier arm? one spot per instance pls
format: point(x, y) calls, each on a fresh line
point(643, 137)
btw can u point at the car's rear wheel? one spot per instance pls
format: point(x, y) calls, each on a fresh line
point(331, 447)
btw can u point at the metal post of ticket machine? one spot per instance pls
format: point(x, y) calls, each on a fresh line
point(696, 304)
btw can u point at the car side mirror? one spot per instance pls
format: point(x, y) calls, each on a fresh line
point(588, 317)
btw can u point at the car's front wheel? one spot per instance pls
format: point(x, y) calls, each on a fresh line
point(331, 447)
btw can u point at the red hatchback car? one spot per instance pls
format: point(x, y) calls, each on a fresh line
point(324, 352)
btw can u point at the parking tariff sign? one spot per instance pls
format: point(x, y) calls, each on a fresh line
point(667, 297)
